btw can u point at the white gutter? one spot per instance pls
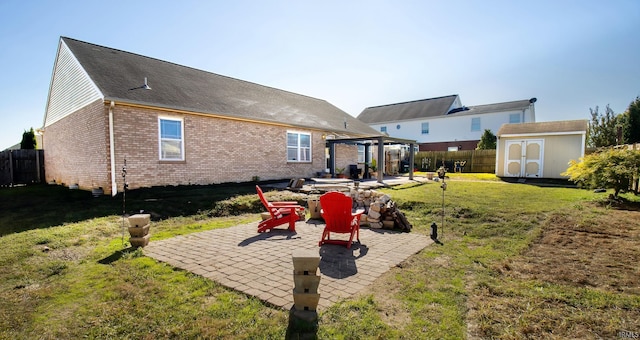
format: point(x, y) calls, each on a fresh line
point(112, 151)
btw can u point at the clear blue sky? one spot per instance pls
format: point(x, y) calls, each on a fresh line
point(571, 55)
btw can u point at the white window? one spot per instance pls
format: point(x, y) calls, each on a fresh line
point(425, 128)
point(298, 147)
point(171, 132)
point(514, 118)
point(475, 124)
point(383, 129)
point(452, 148)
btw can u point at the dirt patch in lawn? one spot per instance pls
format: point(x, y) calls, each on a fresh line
point(599, 251)
point(579, 279)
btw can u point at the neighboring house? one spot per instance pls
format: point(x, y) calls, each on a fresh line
point(443, 123)
point(177, 125)
point(539, 150)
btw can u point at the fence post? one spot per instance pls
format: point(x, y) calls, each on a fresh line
point(11, 167)
point(37, 154)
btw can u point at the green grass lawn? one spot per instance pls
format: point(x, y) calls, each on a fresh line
point(66, 272)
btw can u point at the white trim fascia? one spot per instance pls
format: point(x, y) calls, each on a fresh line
point(53, 73)
point(543, 134)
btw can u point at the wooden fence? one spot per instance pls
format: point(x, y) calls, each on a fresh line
point(479, 161)
point(21, 167)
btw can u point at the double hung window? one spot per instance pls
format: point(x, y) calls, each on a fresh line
point(425, 128)
point(171, 137)
point(475, 124)
point(298, 147)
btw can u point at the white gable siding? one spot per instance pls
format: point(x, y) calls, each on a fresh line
point(451, 127)
point(71, 87)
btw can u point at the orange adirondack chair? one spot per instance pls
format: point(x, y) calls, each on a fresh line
point(339, 218)
point(281, 213)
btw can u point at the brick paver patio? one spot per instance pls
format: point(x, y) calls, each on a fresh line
point(261, 264)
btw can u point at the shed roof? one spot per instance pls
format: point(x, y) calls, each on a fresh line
point(423, 108)
point(118, 73)
point(556, 127)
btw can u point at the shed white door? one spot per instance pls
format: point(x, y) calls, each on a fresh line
point(523, 158)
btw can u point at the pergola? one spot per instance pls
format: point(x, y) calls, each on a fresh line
point(380, 141)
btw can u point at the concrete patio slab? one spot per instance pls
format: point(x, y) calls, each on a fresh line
point(261, 264)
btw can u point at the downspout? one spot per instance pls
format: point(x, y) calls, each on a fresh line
point(112, 151)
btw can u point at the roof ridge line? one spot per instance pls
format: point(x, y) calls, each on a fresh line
point(411, 101)
point(512, 101)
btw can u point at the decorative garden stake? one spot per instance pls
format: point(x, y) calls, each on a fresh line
point(442, 175)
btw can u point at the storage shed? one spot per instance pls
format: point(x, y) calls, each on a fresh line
point(539, 150)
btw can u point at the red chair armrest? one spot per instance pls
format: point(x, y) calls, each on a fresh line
point(285, 203)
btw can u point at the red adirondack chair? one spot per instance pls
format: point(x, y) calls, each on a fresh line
point(339, 218)
point(281, 213)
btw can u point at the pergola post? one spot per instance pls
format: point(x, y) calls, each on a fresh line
point(381, 159)
point(332, 159)
point(367, 160)
point(411, 160)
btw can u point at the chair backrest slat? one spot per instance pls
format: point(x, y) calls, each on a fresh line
point(336, 208)
point(275, 212)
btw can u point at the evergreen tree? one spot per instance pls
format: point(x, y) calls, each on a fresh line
point(603, 128)
point(631, 124)
point(28, 140)
point(487, 141)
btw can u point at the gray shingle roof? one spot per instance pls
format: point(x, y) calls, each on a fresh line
point(433, 107)
point(424, 108)
point(116, 72)
point(497, 107)
point(544, 127)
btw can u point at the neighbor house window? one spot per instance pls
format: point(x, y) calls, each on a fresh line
point(171, 139)
point(383, 129)
point(425, 128)
point(475, 124)
point(298, 147)
point(514, 118)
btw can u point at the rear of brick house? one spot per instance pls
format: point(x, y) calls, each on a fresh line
point(177, 125)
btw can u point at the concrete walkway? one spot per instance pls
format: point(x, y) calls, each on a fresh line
point(261, 264)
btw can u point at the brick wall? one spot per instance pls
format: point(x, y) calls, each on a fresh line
point(77, 148)
point(216, 150)
point(346, 155)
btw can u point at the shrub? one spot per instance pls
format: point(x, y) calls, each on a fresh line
point(608, 169)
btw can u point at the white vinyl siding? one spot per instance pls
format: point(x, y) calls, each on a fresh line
point(171, 139)
point(71, 88)
point(298, 147)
